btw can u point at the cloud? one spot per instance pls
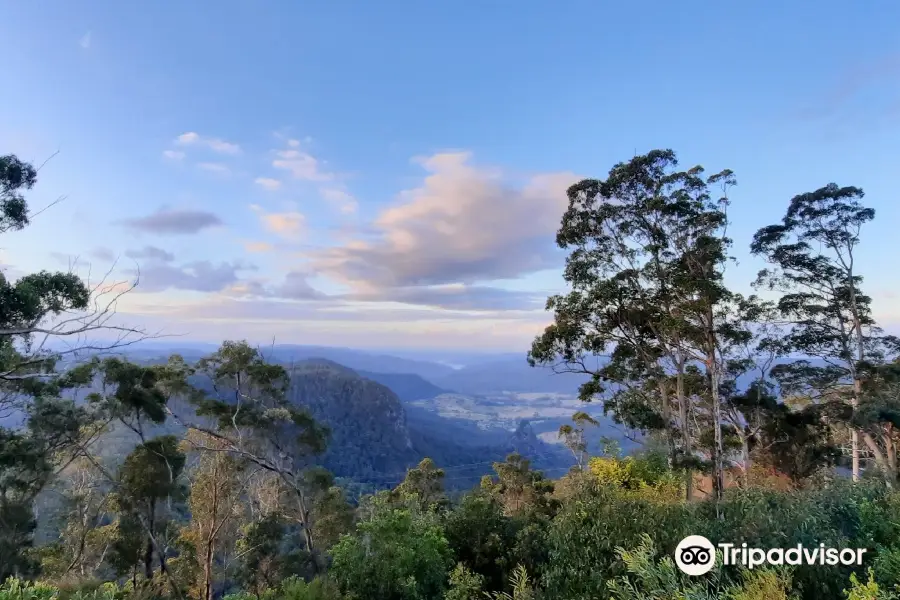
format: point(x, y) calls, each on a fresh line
point(464, 224)
point(240, 307)
point(102, 253)
point(173, 154)
point(294, 143)
point(70, 261)
point(258, 247)
point(296, 287)
point(344, 201)
point(268, 183)
point(85, 41)
point(199, 276)
point(285, 224)
point(174, 221)
point(150, 253)
point(214, 167)
point(457, 297)
point(192, 138)
point(301, 165)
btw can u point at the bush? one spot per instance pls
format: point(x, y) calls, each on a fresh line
point(396, 554)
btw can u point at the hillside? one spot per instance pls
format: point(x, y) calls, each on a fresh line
point(356, 360)
point(408, 387)
point(371, 433)
point(509, 375)
point(368, 426)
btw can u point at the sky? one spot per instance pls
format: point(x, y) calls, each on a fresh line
point(392, 174)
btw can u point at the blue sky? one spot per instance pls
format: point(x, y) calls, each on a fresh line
point(410, 158)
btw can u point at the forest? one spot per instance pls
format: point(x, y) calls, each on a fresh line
point(767, 418)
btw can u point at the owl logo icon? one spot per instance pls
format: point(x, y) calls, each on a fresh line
point(695, 555)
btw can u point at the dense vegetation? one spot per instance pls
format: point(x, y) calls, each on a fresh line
point(745, 405)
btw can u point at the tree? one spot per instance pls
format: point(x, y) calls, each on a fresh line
point(878, 416)
point(482, 537)
point(148, 477)
point(519, 488)
point(216, 487)
point(41, 308)
point(86, 536)
point(244, 397)
point(812, 252)
point(397, 553)
point(574, 439)
point(37, 311)
point(260, 560)
point(29, 458)
point(425, 482)
point(645, 271)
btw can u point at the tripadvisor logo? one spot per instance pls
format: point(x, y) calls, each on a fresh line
point(696, 555)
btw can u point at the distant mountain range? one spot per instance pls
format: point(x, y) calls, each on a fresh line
point(480, 374)
point(407, 386)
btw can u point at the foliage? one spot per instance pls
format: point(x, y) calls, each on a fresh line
point(647, 473)
point(464, 584)
point(868, 590)
point(397, 553)
point(520, 587)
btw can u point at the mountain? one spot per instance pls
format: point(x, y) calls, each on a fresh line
point(357, 360)
point(509, 375)
point(368, 425)
point(373, 434)
point(407, 386)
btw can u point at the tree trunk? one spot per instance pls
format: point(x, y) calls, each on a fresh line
point(857, 382)
point(712, 367)
point(148, 560)
point(207, 572)
point(148, 552)
point(684, 416)
point(854, 434)
point(745, 459)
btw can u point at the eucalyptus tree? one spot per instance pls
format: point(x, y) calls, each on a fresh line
point(574, 439)
point(240, 404)
point(813, 256)
point(45, 318)
point(644, 271)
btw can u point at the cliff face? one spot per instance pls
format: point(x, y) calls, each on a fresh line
point(369, 434)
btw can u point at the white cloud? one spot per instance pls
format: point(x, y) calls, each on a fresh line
point(301, 165)
point(173, 154)
point(192, 138)
point(214, 167)
point(257, 247)
point(268, 183)
point(85, 41)
point(464, 224)
point(284, 224)
point(341, 198)
point(294, 143)
point(287, 224)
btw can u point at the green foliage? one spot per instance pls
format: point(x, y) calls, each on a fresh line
point(646, 473)
point(520, 585)
point(18, 589)
point(320, 588)
point(261, 564)
point(397, 553)
point(464, 584)
point(651, 579)
point(425, 482)
point(583, 538)
point(868, 590)
point(482, 537)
